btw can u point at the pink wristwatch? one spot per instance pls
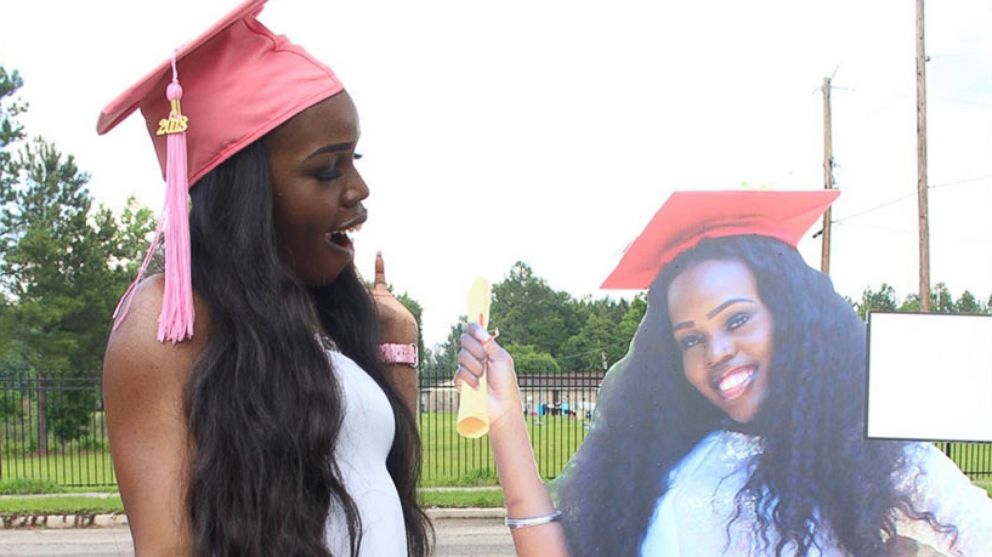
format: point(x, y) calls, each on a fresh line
point(399, 354)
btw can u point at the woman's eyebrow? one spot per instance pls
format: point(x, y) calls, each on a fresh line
point(331, 148)
point(724, 306)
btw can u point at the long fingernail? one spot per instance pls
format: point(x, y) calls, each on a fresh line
point(481, 334)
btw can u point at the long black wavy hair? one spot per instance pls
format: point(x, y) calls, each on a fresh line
point(262, 405)
point(815, 471)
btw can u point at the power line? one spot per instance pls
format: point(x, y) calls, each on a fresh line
point(876, 208)
point(961, 182)
point(907, 196)
point(906, 232)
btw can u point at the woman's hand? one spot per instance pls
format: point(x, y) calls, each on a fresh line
point(900, 546)
point(396, 323)
point(479, 351)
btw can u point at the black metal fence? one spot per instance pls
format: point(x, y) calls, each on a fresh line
point(53, 431)
point(974, 459)
point(558, 409)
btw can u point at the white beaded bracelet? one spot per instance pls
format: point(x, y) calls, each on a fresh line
point(514, 523)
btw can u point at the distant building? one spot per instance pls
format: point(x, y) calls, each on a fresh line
point(572, 393)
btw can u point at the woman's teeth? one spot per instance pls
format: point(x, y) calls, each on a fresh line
point(340, 237)
point(733, 384)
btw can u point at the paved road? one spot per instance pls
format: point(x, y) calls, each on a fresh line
point(456, 537)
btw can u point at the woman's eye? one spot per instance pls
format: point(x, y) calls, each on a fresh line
point(689, 341)
point(737, 320)
point(328, 174)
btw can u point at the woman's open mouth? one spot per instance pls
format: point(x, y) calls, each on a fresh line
point(735, 382)
point(341, 238)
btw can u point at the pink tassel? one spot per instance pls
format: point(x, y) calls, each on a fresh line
point(175, 323)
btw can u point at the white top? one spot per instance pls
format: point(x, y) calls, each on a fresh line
point(366, 436)
point(690, 519)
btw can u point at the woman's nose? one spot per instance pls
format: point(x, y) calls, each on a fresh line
point(355, 192)
point(720, 349)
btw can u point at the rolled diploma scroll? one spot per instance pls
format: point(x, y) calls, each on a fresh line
point(473, 410)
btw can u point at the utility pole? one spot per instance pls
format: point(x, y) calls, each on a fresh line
point(921, 160)
point(828, 173)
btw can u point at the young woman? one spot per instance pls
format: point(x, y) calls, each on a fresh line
point(735, 425)
point(275, 429)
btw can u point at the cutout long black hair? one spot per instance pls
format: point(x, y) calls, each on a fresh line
point(815, 468)
point(262, 405)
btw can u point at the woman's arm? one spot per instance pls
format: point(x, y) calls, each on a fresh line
point(938, 486)
point(396, 326)
point(143, 382)
point(524, 492)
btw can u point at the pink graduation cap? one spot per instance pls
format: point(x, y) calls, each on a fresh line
point(688, 217)
point(239, 82)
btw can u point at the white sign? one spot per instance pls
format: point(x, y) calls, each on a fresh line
point(929, 376)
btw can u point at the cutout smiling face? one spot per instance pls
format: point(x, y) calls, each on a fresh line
point(725, 334)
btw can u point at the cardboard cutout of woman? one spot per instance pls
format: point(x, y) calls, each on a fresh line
point(735, 424)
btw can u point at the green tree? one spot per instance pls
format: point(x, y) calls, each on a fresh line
point(595, 346)
point(11, 131)
point(527, 359)
point(968, 303)
point(631, 321)
point(941, 300)
point(528, 311)
point(440, 364)
point(63, 265)
point(911, 304)
point(882, 300)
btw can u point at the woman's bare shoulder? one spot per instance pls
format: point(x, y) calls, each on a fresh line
point(134, 353)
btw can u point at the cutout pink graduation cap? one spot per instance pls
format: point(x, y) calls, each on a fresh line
point(688, 217)
point(239, 82)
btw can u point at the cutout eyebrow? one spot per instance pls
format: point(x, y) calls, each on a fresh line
point(336, 147)
point(724, 306)
point(712, 313)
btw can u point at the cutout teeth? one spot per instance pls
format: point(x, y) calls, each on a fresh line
point(736, 380)
point(733, 381)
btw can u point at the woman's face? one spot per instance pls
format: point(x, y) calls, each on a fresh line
point(317, 192)
point(725, 334)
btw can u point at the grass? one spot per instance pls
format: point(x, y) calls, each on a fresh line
point(489, 498)
point(986, 485)
point(73, 467)
point(449, 459)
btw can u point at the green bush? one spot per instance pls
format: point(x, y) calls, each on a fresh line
point(25, 487)
point(92, 442)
